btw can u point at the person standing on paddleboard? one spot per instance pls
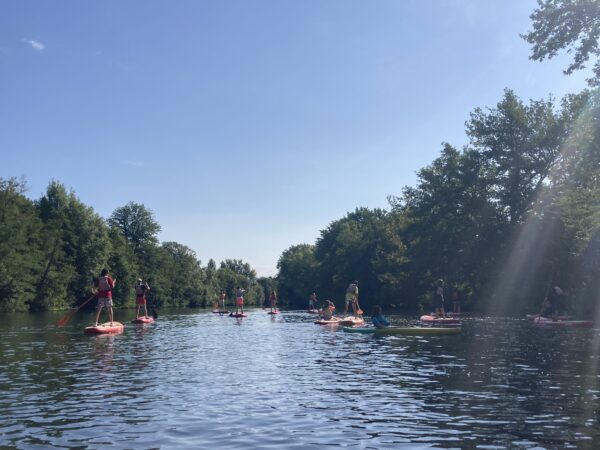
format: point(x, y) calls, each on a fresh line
point(351, 297)
point(553, 303)
point(239, 300)
point(273, 301)
point(312, 301)
point(222, 301)
point(456, 299)
point(140, 297)
point(438, 299)
point(104, 286)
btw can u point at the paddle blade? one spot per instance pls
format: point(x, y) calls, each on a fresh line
point(64, 320)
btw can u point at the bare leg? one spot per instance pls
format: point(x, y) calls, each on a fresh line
point(97, 315)
point(110, 314)
point(145, 310)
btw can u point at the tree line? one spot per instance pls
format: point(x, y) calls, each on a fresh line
point(502, 219)
point(52, 248)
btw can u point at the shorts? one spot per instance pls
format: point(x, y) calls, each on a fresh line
point(239, 301)
point(140, 301)
point(350, 298)
point(102, 302)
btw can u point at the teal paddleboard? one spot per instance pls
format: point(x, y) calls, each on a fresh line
point(407, 331)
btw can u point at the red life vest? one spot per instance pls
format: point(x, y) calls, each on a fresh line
point(103, 284)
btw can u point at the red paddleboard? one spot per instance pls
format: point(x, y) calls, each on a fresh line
point(545, 322)
point(238, 315)
point(334, 321)
point(350, 320)
point(105, 328)
point(273, 312)
point(535, 316)
point(439, 320)
point(143, 319)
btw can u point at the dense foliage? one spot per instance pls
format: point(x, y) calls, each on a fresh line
point(573, 25)
point(51, 250)
point(500, 220)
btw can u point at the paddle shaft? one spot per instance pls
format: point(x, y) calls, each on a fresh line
point(62, 322)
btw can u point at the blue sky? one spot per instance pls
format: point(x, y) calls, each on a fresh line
point(248, 126)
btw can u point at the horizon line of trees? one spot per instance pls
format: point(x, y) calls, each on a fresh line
point(501, 220)
point(51, 249)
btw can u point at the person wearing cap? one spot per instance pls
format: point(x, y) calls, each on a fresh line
point(351, 297)
point(140, 296)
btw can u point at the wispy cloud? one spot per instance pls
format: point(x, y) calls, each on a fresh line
point(134, 163)
point(36, 45)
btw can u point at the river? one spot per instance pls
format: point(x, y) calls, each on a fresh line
point(199, 380)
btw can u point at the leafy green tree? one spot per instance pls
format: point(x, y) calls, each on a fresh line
point(573, 25)
point(137, 224)
point(186, 275)
point(452, 224)
point(20, 246)
point(297, 275)
point(521, 143)
point(361, 246)
point(240, 267)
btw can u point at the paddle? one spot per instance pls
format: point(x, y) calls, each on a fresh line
point(62, 322)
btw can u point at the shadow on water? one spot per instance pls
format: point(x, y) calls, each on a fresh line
point(196, 380)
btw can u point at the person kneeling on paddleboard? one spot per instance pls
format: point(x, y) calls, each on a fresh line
point(239, 300)
point(328, 309)
point(104, 286)
point(377, 318)
point(140, 297)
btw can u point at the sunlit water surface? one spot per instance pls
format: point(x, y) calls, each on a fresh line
point(199, 380)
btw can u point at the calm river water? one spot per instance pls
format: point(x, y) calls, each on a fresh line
point(197, 380)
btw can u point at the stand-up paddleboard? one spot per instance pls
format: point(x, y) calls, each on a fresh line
point(535, 316)
point(105, 328)
point(143, 319)
point(273, 312)
point(351, 320)
point(333, 321)
point(222, 311)
point(313, 311)
point(545, 322)
point(412, 331)
point(432, 320)
point(238, 315)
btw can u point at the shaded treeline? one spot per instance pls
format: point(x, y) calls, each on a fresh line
point(52, 248)
point(514, 211)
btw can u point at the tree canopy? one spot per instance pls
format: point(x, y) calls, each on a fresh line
point(573, 25)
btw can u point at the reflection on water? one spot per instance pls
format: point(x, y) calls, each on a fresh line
point(199, 380)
